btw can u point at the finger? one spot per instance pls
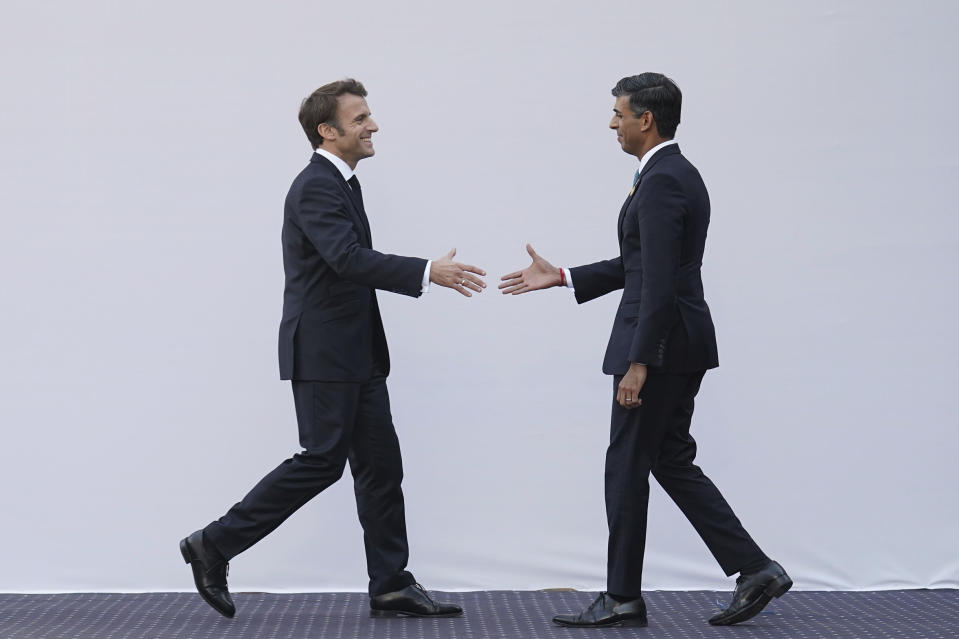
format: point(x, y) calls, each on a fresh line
point(462, 291)
point(512, 276)
point(524, 288)
point(473, 286)
point(472, 269)
point(512, 286)
point(468, 275)
point(475, 280)
point(513, 282)
point(450, 255)
point(626, 397)
point(532, 253)
point(453, 281)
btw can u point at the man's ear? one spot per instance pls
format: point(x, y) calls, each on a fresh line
point(327, 131)
point(646, 121)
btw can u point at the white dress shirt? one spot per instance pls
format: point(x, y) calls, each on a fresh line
point(347, 173)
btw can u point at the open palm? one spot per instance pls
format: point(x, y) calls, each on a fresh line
point(538, 275)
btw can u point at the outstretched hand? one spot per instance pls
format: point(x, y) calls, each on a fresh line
point(540, 274)
point(459, 277)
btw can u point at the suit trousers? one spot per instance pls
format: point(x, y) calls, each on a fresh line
point(654, 438)
point(338, 422)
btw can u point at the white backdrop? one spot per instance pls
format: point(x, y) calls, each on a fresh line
point(147, 149)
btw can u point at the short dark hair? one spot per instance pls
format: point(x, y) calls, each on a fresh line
point(657, 94)
point(320, 107)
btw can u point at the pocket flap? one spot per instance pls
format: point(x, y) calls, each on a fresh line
point(342, 308)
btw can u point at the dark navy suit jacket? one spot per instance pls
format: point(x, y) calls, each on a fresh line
point(662, 320)
point(331, 328)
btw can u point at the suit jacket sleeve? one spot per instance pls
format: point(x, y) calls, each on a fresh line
point(324, 216)
point(595, 280)
point(661, 211)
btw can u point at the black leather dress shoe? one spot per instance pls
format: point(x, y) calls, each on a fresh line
point(606, 611)
point(209, 573)
point(753, 592)
point(412, 601)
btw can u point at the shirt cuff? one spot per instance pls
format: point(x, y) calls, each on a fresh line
point(569, 277)
point(426, 277)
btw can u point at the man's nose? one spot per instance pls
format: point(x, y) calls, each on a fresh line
point(374, 127)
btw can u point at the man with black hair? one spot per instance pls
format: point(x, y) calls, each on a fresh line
point(662, 343)
point(333, 349)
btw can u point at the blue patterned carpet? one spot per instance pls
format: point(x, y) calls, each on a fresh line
point(912, 614)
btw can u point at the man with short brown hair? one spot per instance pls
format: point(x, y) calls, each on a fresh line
point(333, 349)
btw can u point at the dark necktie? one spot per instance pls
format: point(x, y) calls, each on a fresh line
point(357, 193)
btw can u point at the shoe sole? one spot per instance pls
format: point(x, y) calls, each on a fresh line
point(188, 558)
point(399, 613)
point(775, 589)
point(623, 623)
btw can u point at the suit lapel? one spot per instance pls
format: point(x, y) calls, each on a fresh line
point(355, 200)
point(622, 215)
point(672, 149)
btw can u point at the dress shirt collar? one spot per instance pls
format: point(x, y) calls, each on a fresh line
point(650, 153)
point(340, 165)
